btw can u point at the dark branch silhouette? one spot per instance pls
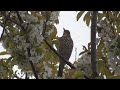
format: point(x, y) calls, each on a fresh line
point(66, 61)
point(44, 30)
point(3, 30)
point(93, 44)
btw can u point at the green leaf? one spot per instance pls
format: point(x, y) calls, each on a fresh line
point(57, 21)
point(107, 72)
point(11, 45)
point(103, 69)
point(101, 45)
point(86, 15)
point(88, 19)
point(78, 75)
point(39, 50)
point(110, 14)
point(53, 34)
point(79, 15)
point(3, 53)
point(114, 77)
point(118, 28)
point(100, 65)
point(100, 77)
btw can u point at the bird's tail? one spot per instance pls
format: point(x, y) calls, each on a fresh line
point(61, 67)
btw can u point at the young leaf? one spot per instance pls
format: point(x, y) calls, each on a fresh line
point(86, 16)
point(3, 53)
point(88, 20)
point(79, 15)
point(114, 77)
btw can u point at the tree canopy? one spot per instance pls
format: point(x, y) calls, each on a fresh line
point(29, 37)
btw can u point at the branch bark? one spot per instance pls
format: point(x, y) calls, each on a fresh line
point(45, 27)
point(66, 61)
point(3, 30)
point(93, 44)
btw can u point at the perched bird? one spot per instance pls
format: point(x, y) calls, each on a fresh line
point(65, 49)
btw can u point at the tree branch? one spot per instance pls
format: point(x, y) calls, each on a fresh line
point(28, 49)
point(20, 19)
point(66, 61)
point(32, 65)
point(46, 16)
point(8, 18)
point(44, 29)
point(93, 44)
point(3, 26)
point(2, 32)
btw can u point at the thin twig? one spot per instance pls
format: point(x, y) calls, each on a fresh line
point(19, 17)
point(2, 34)
point(7, 33)
point(45, 26)
point(3, 30)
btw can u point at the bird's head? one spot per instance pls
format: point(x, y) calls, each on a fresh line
point(66, 32)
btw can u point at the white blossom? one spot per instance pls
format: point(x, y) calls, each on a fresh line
point(59, 78)
point(33, 52)
point(84, 64)
point(30, 18)
point(117, 70)
point(54, 15)
point(33, 59)
point(110, 43)
point(49, 23)
point(45, 75)
point(32, 39)
point(50, 31)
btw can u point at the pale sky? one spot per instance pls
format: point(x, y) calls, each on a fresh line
point(80, 33)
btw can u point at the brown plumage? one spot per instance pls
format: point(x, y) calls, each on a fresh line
point(65, 49)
